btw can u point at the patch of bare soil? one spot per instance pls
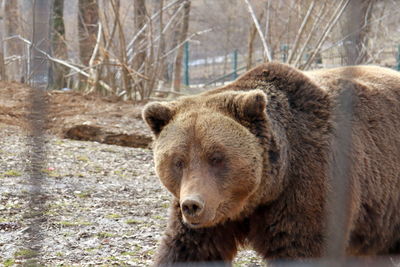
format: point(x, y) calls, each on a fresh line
point(78, 116)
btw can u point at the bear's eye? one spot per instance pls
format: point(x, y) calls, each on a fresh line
point(216, 159)
point(179, 164)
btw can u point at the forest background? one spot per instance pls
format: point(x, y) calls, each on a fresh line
point(145, 49)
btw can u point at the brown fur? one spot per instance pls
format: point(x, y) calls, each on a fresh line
point(256, 152)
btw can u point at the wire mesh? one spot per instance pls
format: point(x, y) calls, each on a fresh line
point(38, 78)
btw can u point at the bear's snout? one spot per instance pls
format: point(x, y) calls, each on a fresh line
point(192, 207)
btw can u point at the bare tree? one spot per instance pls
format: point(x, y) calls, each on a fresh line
point(176, 80)
point(124, 47)
point(300, 32)
point(71, 27)
point(267, 51)
point(138, 63)
point(25, 8)
point(174, 36)
point(39, 65)
point(326, 31)
point(355, 31)
point(155, 61)
point(12, 47)
point(250, 44)
point(88, 18)
point(126, 79)
point(311, 32)
point(25, 29)
point(160, 68)
point(2, 63)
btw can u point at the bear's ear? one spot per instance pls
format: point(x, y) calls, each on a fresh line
point(157, 115)
point(250, 105)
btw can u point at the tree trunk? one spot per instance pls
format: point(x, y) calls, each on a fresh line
point(176, 83)
point(25, 29)
point(126, 81)
point(300, 32)
point(2, 63)
point(25, 22)
point(161, 45)
point(12, 47)
point(108, 32)
point(250, 43)
point(40, 66)
point(140, 20)
point(89, 17)
point(340, 8)
point(168, 75)
point(140, 11)
point(267, 52)
point(355, 31)
point(71, 26)
point(227, 51)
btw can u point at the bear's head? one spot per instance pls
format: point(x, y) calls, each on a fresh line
point(207, 154)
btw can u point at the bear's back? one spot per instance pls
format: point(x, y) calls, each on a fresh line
point(375, 149)
point(374, 77)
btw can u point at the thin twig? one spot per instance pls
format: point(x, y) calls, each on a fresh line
point(169, 92)
point(335, 17)
point(96, 47)
point(186, 40)
point(59, 61)
point(392, 12)
point(310, 35)
point(300, 32)
point(130, 44)
point(262, 37)
point(131, 55)
point(94, 74)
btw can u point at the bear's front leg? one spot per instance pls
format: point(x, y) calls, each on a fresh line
point(184, 244)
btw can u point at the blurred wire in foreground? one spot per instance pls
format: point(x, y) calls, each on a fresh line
point(337, 208)
point(338, 195)
point(36, 156)
point(39, 70)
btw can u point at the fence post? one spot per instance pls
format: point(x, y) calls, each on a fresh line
point(186, 64)
point(398, 58)
point(234, 64)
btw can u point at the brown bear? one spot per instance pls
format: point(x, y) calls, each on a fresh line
point(249, 164)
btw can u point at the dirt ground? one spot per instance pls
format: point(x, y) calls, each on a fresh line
point(101, 203)
point(78, 116)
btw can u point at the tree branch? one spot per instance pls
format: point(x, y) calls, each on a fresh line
point(56, 60)
point(300, 32)
point(262, 37)
point(337, 14)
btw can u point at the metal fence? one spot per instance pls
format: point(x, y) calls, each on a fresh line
point(213, 71)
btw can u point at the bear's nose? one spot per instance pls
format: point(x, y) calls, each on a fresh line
point(192, 206)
